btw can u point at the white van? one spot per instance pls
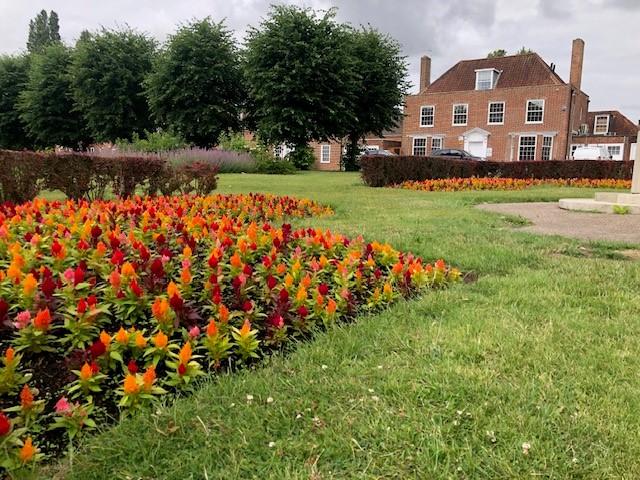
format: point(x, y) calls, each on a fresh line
point(591, 153)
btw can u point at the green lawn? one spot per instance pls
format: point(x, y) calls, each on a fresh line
point(542, 349)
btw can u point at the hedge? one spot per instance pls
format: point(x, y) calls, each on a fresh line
point(378, 171)
point(24, 174)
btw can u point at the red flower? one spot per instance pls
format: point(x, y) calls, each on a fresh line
point(213, 261)
point(78, 276)
point(247, 306)
point(303, 311)
point(135, 288)
point(96, 231)
point(182, 369)
point(271, 282)
point(117, 258)
point(5, 425)
point(157, 268)
point(323, 289)
point(94, 367)
point(176, 302)
point(97, 349)
point(92, 300)
point(82, 306)
point(132, 366)
point(284, 295)
point(56, 248)
point(247, 270)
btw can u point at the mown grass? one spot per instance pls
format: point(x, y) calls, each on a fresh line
point(542, 349)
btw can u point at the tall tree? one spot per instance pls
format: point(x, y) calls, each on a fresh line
point(13, 76)
point(500, 52)
point(107, 71)
point(44, 30)
point(45, 104)
point(524, 51)
point(196, 84)
point(380, 90)
point(300, 76)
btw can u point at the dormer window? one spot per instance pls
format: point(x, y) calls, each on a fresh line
point(601, 125)
point(486, 78)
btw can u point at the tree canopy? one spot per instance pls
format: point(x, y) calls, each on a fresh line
point(380, 90)
point(500, 52)
point(13, 76)
point(107, 70)
point(44, 30)
point(300, 75)
point(45, 105)
point(196, 87)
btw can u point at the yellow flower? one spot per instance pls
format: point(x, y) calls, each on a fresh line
point(127, 270)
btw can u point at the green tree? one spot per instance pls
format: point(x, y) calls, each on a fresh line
point(500, 52)
point(13, 76)
point(300, 76)
point(196, 84)
point(44, 30)
point(380, 90)
point(45, 104)
point(107, 70)
point(524, 51)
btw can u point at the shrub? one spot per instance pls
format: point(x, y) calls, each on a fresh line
point(154, 142)
point(301, 157)
point(234, 142)
point(225, 161)
point(378, 171)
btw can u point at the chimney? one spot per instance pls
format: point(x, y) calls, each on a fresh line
point(425, 73)
point(577, 55)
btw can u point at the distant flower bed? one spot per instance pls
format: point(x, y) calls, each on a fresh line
point(106, 306)
point(497, 183)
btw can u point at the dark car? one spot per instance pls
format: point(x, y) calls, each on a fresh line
point(454, 153)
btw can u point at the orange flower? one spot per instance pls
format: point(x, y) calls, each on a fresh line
point(29, 285)
point(246, 328)
point(28, 451)
point(172, 289)
point(212, 329)
point(42, 320)
point(14, 273)
point(186, 252)
point(235, 260)
point(101, 249)
point(185, 353)
point(105, 338)
point(387, 290)
point(127, 270)
point(160, 340)
point(223, 313)
point(122, 336)
point(114, 280)
point(331, 306)
point(185, 276)
point(140, 341)
point(85, 372)
point(26, 398)
point(131, 386)
point(148, 378)
point(301, 296)
point(160, 308)
point(9, 355)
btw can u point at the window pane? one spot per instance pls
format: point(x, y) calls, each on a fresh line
point(459, 114)
point(527, 149)
point(547, 147)
point(420, 146)
point(496, 112)
point(535, 111)
point(426, 116)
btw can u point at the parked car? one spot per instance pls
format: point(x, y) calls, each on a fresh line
point(454, 153)
point(591, 153)
point(374, 153)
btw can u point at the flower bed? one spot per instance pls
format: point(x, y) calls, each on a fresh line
point(497, 183)
point(107, 306)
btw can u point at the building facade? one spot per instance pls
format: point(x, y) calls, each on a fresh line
point(609, 129)
point(503, 109)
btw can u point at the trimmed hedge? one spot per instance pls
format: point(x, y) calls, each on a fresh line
point(24, 174)
point(378, 171)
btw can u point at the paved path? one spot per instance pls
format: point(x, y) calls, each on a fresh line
point(548, 218)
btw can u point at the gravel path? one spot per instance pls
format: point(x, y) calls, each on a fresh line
point(548, 218)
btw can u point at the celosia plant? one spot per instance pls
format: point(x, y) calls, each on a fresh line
point(116, 303)
point(499, 183)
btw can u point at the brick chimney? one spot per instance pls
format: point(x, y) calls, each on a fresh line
point(425, 73)
point(577, 55)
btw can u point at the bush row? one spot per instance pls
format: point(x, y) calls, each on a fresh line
point(24, 174)
point(380, 171)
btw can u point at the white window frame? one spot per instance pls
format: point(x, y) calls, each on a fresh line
point(595, 123)
point(620, 148)
point(325, 157)
point(433, 116)
point(489, 122)
point(413, 145)
point(550, 147)
point(535, 147)
point(440, 139)
point(493, 78)
point(526, 112)
point(453, 115)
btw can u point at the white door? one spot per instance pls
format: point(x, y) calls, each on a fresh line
point(477, 149)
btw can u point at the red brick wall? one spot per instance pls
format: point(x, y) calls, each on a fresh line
point(334, 156)
point(503, 139)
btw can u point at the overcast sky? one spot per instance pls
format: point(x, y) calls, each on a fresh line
point(447, 31)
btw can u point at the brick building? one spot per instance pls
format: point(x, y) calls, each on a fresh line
point(611, 130)
point(504, 109)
